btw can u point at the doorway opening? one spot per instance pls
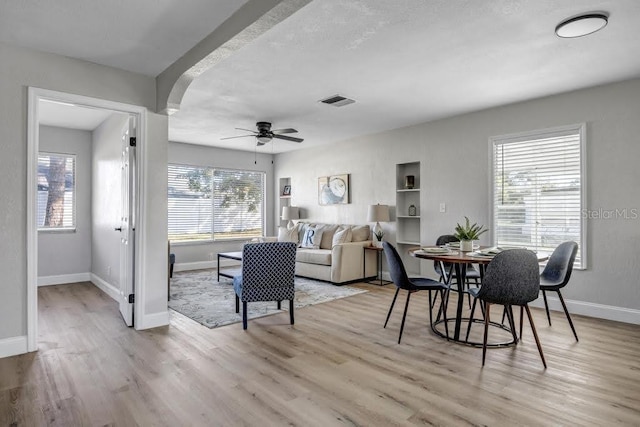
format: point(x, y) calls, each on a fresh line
point(82, 216)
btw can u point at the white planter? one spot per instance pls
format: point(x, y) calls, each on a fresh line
point(466, 245)
point(377, 243)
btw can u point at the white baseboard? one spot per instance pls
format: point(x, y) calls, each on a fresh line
point(63, 279)
point(600, 311)
point(106, 287)
point(154, 320)
point(201, 265)
point(13, 346)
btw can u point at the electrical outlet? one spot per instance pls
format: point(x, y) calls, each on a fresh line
point(210, 256)
point(443, 207)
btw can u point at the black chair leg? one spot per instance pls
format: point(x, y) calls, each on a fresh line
point(512, 323)
point(486, 332)
point(244, 315)
point(566, 312)
point(391, 308)
point(473, 310)
point(546, 306)
point(279, 305)
point(404, 316)
point(291, 311)
point(535, 335)
point(521, 320)
point(237, 304)
point(443, 309)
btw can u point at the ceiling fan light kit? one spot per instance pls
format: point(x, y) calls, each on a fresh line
point(264, 134)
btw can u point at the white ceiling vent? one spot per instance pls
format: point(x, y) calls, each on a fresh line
point(337, 101)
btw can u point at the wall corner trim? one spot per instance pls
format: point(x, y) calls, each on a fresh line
point(63, 279)
point(13, 346)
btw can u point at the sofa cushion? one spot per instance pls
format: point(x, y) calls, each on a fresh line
point(286, 235)
point(312, 238)
point(360, 233)
point(328, 230)
point(343, 235)
point(314, 256)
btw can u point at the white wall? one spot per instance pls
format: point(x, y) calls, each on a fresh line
point(455, 166)
point(68, 253)
point(19, 69)
point(197, 255)
point(106, 198)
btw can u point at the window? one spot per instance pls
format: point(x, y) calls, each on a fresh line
point(538, 189)
point(56, 191)
point(215, 204)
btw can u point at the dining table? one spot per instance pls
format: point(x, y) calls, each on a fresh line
point(460, 260)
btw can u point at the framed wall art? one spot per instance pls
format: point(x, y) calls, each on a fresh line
point(333, 190)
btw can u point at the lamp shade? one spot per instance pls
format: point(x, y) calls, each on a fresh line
point(290, 212)
point(378, 213)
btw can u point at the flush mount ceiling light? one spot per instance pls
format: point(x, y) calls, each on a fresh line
point(582, 25)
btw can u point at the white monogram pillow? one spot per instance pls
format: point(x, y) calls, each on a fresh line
point(312, 238)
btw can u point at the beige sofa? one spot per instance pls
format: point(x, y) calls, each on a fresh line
point(335, 262)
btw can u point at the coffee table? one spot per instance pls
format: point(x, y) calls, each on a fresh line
point(231, 271)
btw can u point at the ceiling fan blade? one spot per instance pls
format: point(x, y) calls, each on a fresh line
point(239, 136)
point(248, 130)
point(288, 138)
point(281, 131)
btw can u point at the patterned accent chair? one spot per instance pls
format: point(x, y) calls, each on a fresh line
point(267, 275)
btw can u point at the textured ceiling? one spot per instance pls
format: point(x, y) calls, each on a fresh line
point(403, 61)
point(143, 36)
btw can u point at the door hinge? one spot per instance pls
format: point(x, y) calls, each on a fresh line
point(132, 298)
point(132, 141)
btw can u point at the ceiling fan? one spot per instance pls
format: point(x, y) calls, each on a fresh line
point(264, 134)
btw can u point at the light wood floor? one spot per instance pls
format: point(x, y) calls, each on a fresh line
point(336, 366)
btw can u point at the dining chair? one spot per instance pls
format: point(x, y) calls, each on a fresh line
point(268, 271)
point(511, 278)
point(556, 275)
point(402, 281)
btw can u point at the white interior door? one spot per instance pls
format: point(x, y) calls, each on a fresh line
point(127, 223)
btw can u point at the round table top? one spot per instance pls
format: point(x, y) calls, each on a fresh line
point(457, 256)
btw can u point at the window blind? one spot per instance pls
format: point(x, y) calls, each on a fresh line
point(537, 190)
point(190, 209)
point(238, 204)
point(214, 204)
point(56, 191)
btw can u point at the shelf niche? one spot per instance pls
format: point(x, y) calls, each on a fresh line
point(408, 229)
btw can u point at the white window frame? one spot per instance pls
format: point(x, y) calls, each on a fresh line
point(212, 237)
point(581, 130)
point(74, 202)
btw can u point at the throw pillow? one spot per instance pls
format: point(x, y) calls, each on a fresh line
point(360, 233)
point(286, 235)
point(312, 238)
point(342, 236)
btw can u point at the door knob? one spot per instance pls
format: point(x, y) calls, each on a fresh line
point(118, 229)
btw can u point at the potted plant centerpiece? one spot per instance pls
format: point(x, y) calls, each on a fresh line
point(467, 233)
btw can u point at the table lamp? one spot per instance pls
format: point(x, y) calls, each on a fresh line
point(378, 213)
point(289, 213)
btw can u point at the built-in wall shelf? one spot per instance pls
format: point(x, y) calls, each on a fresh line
point(285, 200)
point(408, 230)
point(285, 197)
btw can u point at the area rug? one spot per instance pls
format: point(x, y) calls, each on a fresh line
point(199, 296)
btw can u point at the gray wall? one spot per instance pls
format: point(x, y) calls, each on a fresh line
point(65, 252)
point(106, 198)
point(190, 154)
point(455, 166)
point(19, 69)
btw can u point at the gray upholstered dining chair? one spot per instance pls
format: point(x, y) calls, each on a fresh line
point(511, 278)
point(446, 271)
point(402, 281)
point(556, 275)
point(268, 271)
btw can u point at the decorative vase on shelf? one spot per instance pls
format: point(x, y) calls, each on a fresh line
point(413, 211)
point(409, 182)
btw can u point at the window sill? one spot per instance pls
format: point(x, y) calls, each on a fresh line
point(56, 230)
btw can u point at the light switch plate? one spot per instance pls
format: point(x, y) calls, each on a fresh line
point(443, 207)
